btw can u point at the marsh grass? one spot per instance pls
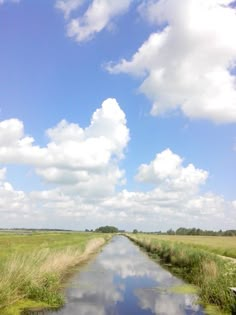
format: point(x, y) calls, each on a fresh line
point(212, 275)
point(37, 275)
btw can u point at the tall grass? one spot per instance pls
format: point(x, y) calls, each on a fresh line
point(38, 275)
point(221, 245)
point(211, 274)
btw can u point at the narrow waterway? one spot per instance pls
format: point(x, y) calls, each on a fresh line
point(122, 280)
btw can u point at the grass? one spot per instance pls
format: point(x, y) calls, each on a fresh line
point(211, 274)
point(184, 289)
point(33, 266)
point(220, 245)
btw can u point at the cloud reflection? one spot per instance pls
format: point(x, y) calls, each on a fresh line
point(166, 303)
point(121, 279)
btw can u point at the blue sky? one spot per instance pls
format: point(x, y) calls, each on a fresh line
point(168, 83)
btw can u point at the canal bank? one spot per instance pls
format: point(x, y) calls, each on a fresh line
point(122, 280)
point(209, 273)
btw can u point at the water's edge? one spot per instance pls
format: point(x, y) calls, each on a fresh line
point(122, 280)
point(87, 256)
point(209, 309)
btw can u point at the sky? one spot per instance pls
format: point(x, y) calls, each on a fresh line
point(118, 113)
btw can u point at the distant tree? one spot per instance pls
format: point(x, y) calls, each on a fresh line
point(107, 229)
point(194, 231)
point(86, 230)
point(135, 231)
point(170, 232)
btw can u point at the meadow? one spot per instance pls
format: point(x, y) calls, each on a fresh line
point(220, 245)
point(196, 260)
point(33, 266)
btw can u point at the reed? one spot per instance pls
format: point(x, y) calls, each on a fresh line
point(38, 275)
point(211, 274)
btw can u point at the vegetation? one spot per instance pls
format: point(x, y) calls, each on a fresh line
point(33, 266)
point(107, 229)
point(220, 245)
point(212, 275)
point(194, 231)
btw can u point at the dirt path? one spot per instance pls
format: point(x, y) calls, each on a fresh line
point(233, 260)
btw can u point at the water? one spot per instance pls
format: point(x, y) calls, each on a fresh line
point(122, 280)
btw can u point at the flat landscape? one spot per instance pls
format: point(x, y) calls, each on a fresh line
point(197, 260)
point(117, 117)
point(34, 264)
point(220, 245)
point(25, 242)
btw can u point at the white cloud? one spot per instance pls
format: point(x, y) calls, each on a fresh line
point(188, 64)
point(68, 6)
point(2, 174)
point(83, 166)
point(13, 204)
point(167, 171)
point(163, 207)
point(85, 158)
point(15, 147)
point(98, 16)
point(175, 199)
point(158, 303)
point(158, 209)
point(6, 1)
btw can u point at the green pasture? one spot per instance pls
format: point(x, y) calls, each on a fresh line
point(220, 245)
point(34, 265)
point(24, 242)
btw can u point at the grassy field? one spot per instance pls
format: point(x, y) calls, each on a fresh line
point(198, 265)
point(34, 265)
point(221, 245)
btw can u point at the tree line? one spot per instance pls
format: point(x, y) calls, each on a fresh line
point(194, 231)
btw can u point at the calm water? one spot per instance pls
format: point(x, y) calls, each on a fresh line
point(122, 280)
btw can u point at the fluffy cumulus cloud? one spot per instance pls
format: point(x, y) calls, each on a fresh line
point(13, 204)
point(160, 208)
point(85, 158)
point(83, 165)
point(167, 171)
point(98, 16)
point(188, 64)
point(175, 198)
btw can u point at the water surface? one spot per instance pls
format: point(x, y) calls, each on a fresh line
point(122, 280)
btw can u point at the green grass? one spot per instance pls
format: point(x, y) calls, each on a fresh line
point(220, 245)
point(184, 289)
point(21, 305)
point(34, 265)
point(11, 243)
point(211, 274)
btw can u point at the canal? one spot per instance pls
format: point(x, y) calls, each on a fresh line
point(122, 280)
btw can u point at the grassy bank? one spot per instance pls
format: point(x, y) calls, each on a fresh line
point(220, 245)
point(33, 266)
point(212, 275)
